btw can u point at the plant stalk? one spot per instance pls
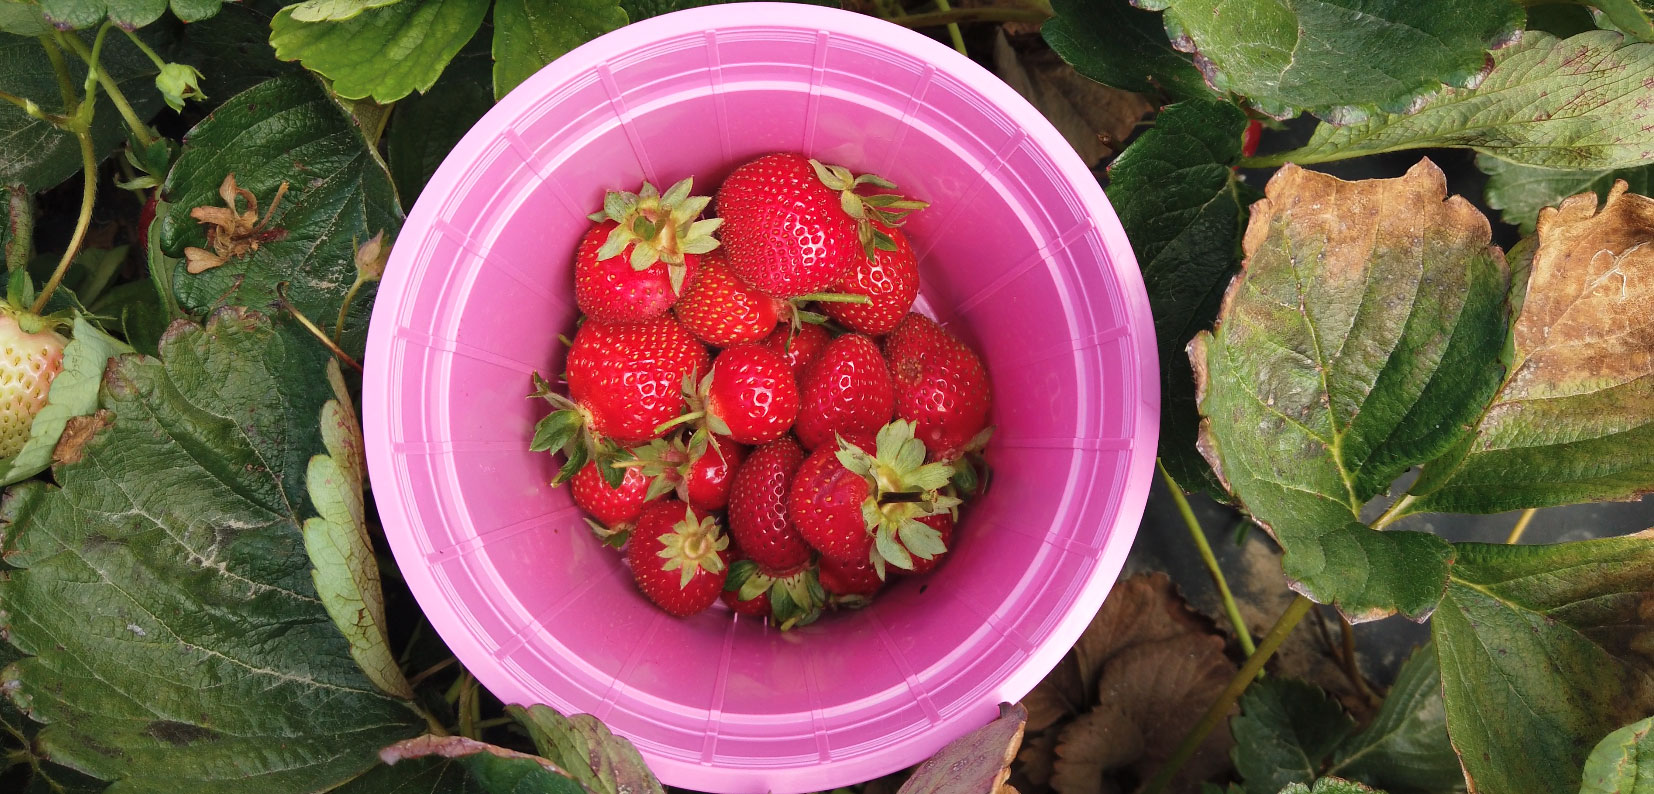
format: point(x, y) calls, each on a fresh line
point(344, 308)
point(1521, 527)
point(1351, 669)
point(1214, 715)
point(953, 28)
point(315, 330)
point(89, 192)
point(60, 69)
point(95, 72)
point(961, 16)
point(1395, 511)
point(1198, 534)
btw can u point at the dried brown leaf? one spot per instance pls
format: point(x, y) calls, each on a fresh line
point(976, 763)
point(1095, 119)
point(1034, 763)
point(76, 432)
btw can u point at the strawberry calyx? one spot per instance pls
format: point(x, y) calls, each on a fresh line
point(658, 227)
point(695, 397)
point(902, 488)
point(971, 473)
point(614, 537)
point(693, 545)
point(796, 599)
point(568, 429)
point(667, 462)
point(870, 211)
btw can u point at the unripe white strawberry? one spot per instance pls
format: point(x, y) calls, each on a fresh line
point(28, 363)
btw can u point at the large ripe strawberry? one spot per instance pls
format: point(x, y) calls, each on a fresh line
point(792, 599)
point(624, 382)
point(633, 264)
point(749, 396)
point(758, 517)
point(613, 508)
point(700, 470)
point(31, 356)
point(848, 392)
point(941, 386)
point(853, 505)
point(800, 346)
point(724, 310)
point(678, 558)
point(793, 226)
point(889, 279)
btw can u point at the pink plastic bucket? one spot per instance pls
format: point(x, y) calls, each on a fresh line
point(1020, 253)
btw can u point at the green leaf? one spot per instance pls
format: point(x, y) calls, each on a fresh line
point(1625, 16)
point(1337, 58)
point(343, 566)
point(284, 130)
point(40, 155)
point(975, 763)
point(1405, 747)
point(163, 595)
point(23, 19)
point(334, 10)
point(129, 14)
point(1575, 417)
point(1115, 44)
point(1184, 210)
point(1543, 649)
point(643, 9)
point(1623, 762)
point(74, 393)
point(1521, 191)
point(1362, 338)
point(197, 10)
point(585, 749)
point(1330, 785)
point(495, 769)
point(1571, 103)
point(425, 127)
point(385, 53)
point(1284, 733)
point(434, 775)
point(530, 34)
point(232, 50)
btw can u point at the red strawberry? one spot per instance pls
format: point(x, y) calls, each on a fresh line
point(722, 309)
point(890, 280)
point(794, 226)
point(800, 346)
point(1250, 138)
point(749, 396)
point(941, 386)
point(700, 471)
point(613, 507)
point(758, 517)
point(31, 356)
point(678, 559)
point(756, 607)
point(146, 217)
point(624, 382)
point(848, 391)
point(791, 600)
point(853, 505)
point(943, 524)
point(854, 580)
point(633, 264)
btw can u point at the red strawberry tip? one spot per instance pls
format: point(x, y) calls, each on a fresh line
point(695, 543)
point(869, 211)
point(657, 227)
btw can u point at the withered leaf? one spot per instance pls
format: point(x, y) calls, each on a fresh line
point(977, 763)
point(1095, 119)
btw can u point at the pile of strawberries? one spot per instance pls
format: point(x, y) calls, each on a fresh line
point(831, 434)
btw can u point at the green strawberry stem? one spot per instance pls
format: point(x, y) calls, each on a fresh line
point(688, 417)
point(833, 297)
point(281, 295)
point(89, 191)
point(901, 496)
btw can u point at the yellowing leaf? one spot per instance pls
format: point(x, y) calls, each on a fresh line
point(977, 763)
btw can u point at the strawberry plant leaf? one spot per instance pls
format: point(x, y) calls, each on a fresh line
point(1405, 748)
point(232, 50)
point(129, 14)
point(334, 10)
point(1625, 16)
point(1183, 210)
point(1115, 44)
point(283, 130)
point(431, 775)
point(1520, 726)
point(40, 155)
point(1575, 416)
point(643, 9)
point(210, 657)
point(585, 749)
point(1336, 58)
point(976, 763)
point(494, 769)
point(1362, 338)
point(385, 53)
point(23, 19)
point(1284, 733)
point(1330, 785)
point(529, 35)
point(425, 127)
point(1623, 762)
point(74, 393)
point(1572, 103)
point(1519, 192)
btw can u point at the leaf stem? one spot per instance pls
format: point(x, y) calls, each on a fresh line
point(1351, 669)
point(28, 106)
point(1220, 708)
point(419, 678)
point(316, 331)
point(60, 69)
point(966, 15)
point(833, 297)
point(344, 308)
point(89, 192)
point(953, 28)
point(467, 707)
point(95, 72)
point(1521, 527)
point(1198, 534)
point(1395, 511)
point(20, 222)
point(160, 63)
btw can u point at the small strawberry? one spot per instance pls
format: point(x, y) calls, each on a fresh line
point(941, 386)
point(146, 217)
point(678, 559)
point(31, 356)
point(700, 470)
point(758, 517)
point(1250, 138)
point(943, 524)
point(853, 506)
point(756, 607)
point(889, 279)
point(613, 509)
point(624, 382)
point(794, 226)
point(800, 346)
point(634, 263)
point(749, 396)
point(848, 392)
point(794, 599)
point(850, 584)
point(722, 309)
